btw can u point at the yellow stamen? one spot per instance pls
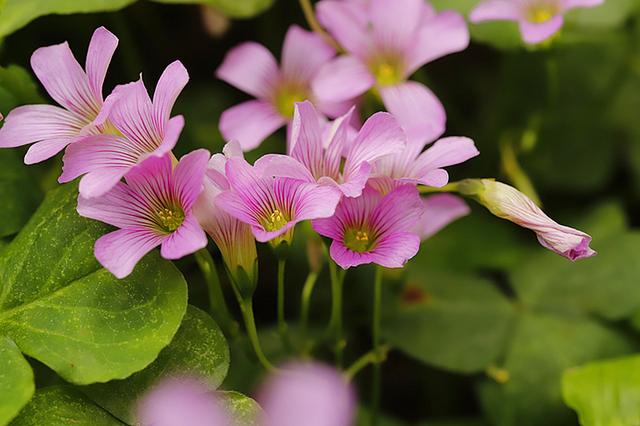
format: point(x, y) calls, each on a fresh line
point(170, 218)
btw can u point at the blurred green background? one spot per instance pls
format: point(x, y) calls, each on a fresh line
point(487, 327)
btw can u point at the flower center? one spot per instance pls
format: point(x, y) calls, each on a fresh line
point(386, 71)
point(541, 13)
point(170, 218)
point(358, 240)
point(274, 221)
point(286, 98)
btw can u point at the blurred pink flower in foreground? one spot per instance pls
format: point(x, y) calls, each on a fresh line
point(439, 211)
point(508, 203)
point(308, 394)
point(78, 91)
point(181, 402)
point(252, 68)
point(538, 19)
point(374, 228)
point(153, 208)
point(386, 42)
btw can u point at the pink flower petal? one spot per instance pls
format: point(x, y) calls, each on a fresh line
point(445, 152)
point(379, 136)
point(571, 4)
point(439, 36)
point(346, 258)
point(394, 27)
point(250, 123)
point(251, 68)
point(65, 80)
point(493, 10)
point(303, 53)
point(395, 250)
point(114, 207)
point(313, 201)
point(347, 22)
point(307, 394)
point(187, 239)
point(439, 211)
point(188, 177)
point(174, 78)
point(101, 48)
point(34, 123)
point(418, 111)
point(398, 211)
point(120, 251)
point(282, 166)
point(132, 114)
point(536, 33)
point(341, 79)
point(45, 149)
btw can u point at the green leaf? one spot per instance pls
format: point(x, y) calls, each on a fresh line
point(244, 410)
point(61, 308)
point(19, 192)
point(62, 406)
point(16, 380)
point(605, 285)
point(17, 87)
point(199, 349)
point(18, 13)
point(455, 322)
point(605, 393)
point(232, 8)
point(542, 347)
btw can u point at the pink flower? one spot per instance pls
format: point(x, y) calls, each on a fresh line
point(374, 228)
point(252, 68)
point(538, 19)
point(439, 211)
point(273, 206)
point(308, 394)
point(79, 93)
point(233, 237)
point(508, 203)
point(317, 149)
point(153, 208)
point(426, 167)
point(386, 43)
point(145, 128)
point(181, 401)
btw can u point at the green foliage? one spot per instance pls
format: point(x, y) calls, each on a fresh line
point(244, 410)
point(456, 322)
point(16, 380)
point(199, 350)
point(605, 393)
point(17, 13)
point(61, 308)
point(16, 88)
point(232, 8)
point(62, 406)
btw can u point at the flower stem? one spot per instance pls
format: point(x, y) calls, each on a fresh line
point(515, 172)
point(372, 357)
point(246, 306)
point(310, 16)
point(217, 304)
point(375, 334)
point(335, 320)
point(307, 290)
point(282, 324)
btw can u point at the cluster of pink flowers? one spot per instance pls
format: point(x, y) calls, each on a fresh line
point(357, 184)
point(300, 393)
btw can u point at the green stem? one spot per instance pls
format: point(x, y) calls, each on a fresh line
point(335, 320)
point(372, 357)
point(450, 187)
point(514, 172)
point(282, 325)
point(246, 306)
point(310, 16)
point(307, 290)
point(217, 303)
point(375, 334)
